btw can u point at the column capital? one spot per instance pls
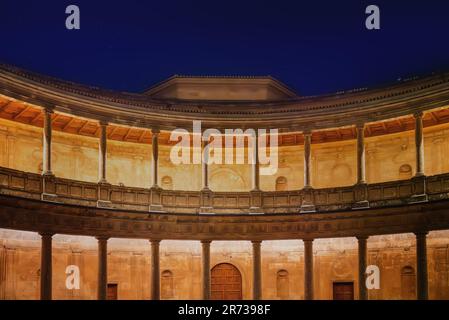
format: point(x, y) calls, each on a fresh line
point(360, 125)
point(155, 241)
point(362, 238)
point(206, 241)
point(418, 114)
point(308, 240)
point(256, 242)
point(49, 109)
point(155, 131)
point(421, 233)
point(103, 123)
point(46, 234)
point(102, 238)
point(307, 132)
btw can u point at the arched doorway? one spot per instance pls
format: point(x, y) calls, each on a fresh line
point(226, 282)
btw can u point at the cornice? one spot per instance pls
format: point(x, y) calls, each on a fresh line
point(139, 110)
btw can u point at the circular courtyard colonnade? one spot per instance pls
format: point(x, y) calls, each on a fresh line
point(50, 205)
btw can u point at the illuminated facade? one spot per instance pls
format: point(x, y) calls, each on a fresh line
point(86, 179)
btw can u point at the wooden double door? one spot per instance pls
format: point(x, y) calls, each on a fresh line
point(226, 282)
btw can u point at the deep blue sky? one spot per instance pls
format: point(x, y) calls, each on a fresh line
point(315, 46)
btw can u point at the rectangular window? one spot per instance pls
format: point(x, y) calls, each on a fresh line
point(112, 291)
point(343, 290)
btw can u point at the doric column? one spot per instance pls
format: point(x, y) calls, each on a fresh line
point(308, 269)
point(421, 266)
point(155, 273)
point(257, 270)
point(46, 170)
point(307, 155)
point(155, 157)
point(205, 269)
point(46, 265)
point(362, 243)
point(419, 141)
point(255, 164)
point(361, 172)
point(102, 153)
point(102, 281)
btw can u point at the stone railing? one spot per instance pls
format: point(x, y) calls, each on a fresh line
point(53, 189)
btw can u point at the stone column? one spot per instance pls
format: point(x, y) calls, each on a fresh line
point(307, 155)
point(362, 242)
point(419, 141)
point(204, 167)
point(155, 157)
point(308, 269)
point(257, 270)
point(102, 153)
point(255, 164)
point(46, 265)
point(421, 266)
point(155, 273)
point(46, 170)
point(102, 282)
point(361, 172)
point(205, 268)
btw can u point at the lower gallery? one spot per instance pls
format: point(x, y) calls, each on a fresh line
point(87, 184)
point(335, 268)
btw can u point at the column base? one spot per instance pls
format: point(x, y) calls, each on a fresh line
point(206, 210)
point(104, 204)
point(307, 208)
point(364, 204)
point(419, 189)
point(48, 174)
point(156, 199)
point(418, 198)
point(255, 210)
point(156, 208)
point(50, 197)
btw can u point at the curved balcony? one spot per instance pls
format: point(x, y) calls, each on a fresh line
point(66, 191)
point(72, 208)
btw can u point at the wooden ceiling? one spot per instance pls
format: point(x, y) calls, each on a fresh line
point(32, 115)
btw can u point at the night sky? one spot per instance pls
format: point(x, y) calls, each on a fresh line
point(315, 46)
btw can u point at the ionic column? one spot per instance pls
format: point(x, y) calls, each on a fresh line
point(362, 243)
point(46, 265)
point(155, 273)
point(255, 164)
point(307, 154)
point(205, 268)
point(361, 171)
point(419, 141)
point(308, 269)
point(257, 270)
point(47, 142)
point(155, 157)
point(421, 266)
point(102, 153)
point(204, 166)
